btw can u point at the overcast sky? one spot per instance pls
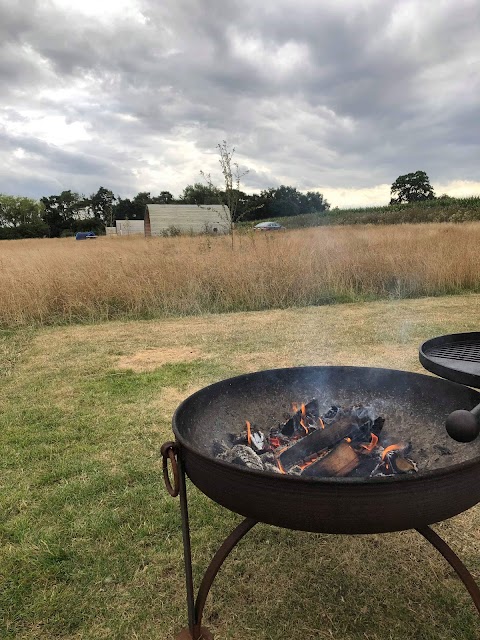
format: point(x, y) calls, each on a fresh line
point(339, 96)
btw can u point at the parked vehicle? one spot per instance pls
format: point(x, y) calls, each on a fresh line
point(85, 235)
point(269, 226)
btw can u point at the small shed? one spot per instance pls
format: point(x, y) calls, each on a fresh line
point(187, 218)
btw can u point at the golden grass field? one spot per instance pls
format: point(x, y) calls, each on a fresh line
point(48, 281)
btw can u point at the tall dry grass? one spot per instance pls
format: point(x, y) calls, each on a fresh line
point(60, 280)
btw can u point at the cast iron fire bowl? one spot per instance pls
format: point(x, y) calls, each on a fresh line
point(415, 407)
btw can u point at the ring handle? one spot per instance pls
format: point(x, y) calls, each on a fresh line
point(169, 451)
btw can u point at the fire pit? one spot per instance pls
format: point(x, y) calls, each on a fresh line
point(444, 482)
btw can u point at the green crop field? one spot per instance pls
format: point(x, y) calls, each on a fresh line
point(439, 210)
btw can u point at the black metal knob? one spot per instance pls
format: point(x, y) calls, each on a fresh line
point(464, 426)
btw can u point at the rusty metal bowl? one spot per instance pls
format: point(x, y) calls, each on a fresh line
point(415, 407)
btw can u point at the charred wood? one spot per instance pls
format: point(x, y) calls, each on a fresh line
point(315, 442)
point(311, 413)
point(339, 462)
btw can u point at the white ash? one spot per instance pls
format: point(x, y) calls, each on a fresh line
point(273, 468)
point(268, 458)
point(219, 447)
point(243, 456)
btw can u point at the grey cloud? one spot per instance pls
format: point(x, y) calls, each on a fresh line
point(357, 111)
point(79, 170)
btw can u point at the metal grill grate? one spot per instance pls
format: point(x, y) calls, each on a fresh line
point(468, 351)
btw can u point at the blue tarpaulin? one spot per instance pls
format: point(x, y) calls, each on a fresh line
point(84, 235)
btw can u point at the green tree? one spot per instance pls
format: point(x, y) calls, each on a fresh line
point(21, 218)
point(139, 204)
point(16, 211)
point(314, 202)
point(101, 204)
point(412, 187)
point(288, 201)
point(199, 193)
point(124, 209)
point(165, 197)
point(60, 212)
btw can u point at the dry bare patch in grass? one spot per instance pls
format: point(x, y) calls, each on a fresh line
point(62, 281)
point(150, 359)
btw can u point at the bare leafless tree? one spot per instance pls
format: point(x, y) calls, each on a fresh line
point(230, 197)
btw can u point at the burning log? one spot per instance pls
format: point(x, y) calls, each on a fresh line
point(339, 462)
point(393, 460)
point(301, 450)
point(302, 419)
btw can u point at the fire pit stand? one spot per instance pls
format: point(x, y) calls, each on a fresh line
point(195, 606)
point(337, 505)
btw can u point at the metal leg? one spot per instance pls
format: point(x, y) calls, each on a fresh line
point(214, 566)
point(195, 630)
point(461, 570)
point(187, 549)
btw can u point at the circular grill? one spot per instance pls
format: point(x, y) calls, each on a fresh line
point(455, 357)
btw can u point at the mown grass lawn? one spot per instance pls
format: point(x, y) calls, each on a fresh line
point(90, 541)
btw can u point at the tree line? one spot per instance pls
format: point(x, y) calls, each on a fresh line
point(69, 212)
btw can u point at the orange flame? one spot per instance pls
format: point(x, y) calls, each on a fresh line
point(249, 433)
point(279, 465)
point(392, 447)
point(347, 439)
point(304, 411)
point(322, 424)
point(304, 426)
point(373, 443)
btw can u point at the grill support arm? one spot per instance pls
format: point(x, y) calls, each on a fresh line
point(454, 561)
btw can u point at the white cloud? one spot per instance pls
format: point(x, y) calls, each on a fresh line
point(53, 129)
point(103, 10)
